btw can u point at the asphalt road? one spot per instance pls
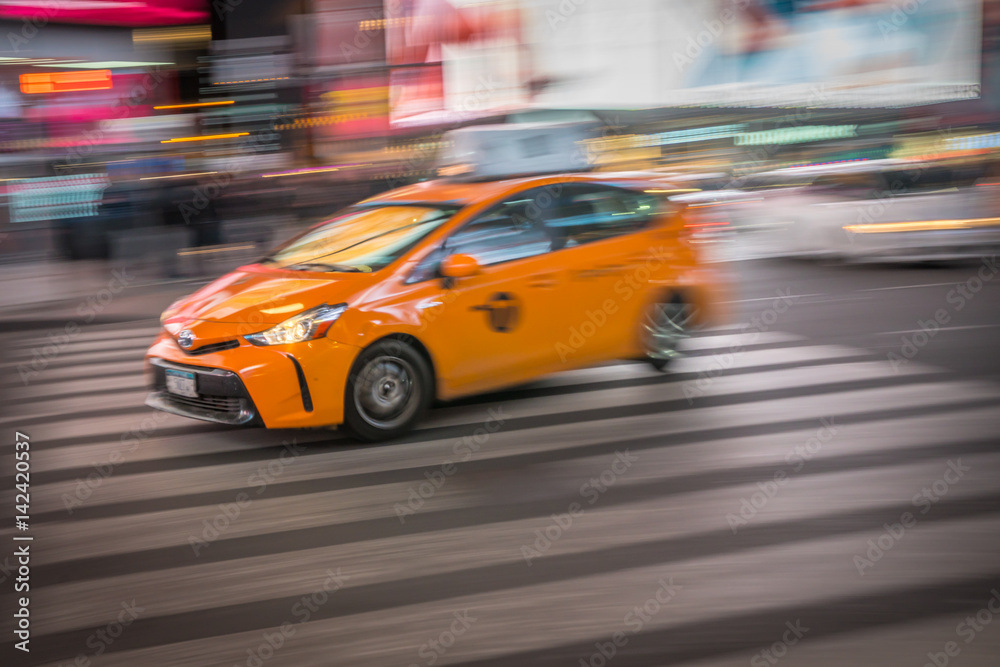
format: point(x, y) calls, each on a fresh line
point(815, 484)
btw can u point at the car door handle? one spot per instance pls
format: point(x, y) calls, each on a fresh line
point(543, 281)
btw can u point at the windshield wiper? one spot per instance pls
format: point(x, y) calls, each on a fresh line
point(318, 266)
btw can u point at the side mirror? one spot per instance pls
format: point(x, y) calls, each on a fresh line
point(459, 266)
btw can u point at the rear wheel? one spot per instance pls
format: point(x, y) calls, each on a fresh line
point(387, 392)
point(664, 327)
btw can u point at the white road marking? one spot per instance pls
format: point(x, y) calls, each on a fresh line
point(883, 289)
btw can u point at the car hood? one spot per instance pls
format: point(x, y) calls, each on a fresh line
point(259, 295)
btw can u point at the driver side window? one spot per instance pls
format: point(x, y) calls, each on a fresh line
point(504, 233)
point(510, 230)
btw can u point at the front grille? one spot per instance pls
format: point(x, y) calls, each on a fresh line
point(222, 397)
point(213, 347)
point(213, 403)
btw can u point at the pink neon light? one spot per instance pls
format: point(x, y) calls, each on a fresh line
point(131, 13)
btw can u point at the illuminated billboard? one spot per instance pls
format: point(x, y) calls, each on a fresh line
point(829, 53)
point(459, 58)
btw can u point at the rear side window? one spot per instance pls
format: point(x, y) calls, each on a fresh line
point(593, 213)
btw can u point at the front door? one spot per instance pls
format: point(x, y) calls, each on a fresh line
point(498, 327)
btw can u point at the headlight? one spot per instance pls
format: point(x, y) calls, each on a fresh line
point(307, 325)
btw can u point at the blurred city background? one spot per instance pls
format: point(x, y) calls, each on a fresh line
point(181, 137)
point(814, 482)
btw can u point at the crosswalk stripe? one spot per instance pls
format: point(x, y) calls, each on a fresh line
point(573, 608)
point(136, 342)
point(689, 393)
point(84, 390)
point(40, 387)
point(329, 466)
point(738, 340)
point(707, 364)
point(61, 364)
point(88, 332)
point(322, 465)
point(162, 528)
point(702, 439)
point(599, 525)
point(18, 375)
point(67, 359)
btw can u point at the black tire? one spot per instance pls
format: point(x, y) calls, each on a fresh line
point(660, 357)
point(389, 389)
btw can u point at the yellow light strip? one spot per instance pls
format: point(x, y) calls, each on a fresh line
point(206, 138)
point(276, 78)
point(314, 171)
point(299, 173)
point(673, 191)
point(922, 225)
point(200, 173)
point(196, 104)
point(178, 34)
point(213, 250)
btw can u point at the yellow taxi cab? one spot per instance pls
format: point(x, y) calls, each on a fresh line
point(435, 291)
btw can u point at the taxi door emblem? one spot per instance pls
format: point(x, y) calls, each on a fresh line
point(503, 311)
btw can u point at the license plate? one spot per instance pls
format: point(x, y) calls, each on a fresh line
point(181, 383)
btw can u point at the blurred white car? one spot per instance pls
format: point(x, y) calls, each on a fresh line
point(879, 211)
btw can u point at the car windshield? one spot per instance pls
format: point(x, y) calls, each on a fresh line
point(362, 239)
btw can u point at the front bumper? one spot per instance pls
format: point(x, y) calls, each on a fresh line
point(284, 386)
point(222, 396)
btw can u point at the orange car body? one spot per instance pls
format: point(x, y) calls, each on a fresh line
point(509, 323)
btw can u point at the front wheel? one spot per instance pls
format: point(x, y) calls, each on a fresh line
point(387, 392)
point(664, 327)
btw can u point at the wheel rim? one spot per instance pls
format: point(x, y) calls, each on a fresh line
point(386, 392)
point(665, 326)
